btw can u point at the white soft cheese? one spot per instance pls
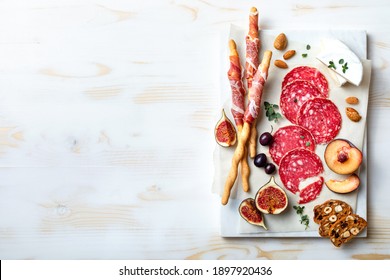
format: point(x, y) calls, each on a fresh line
point(334, 50)
point(340, 80)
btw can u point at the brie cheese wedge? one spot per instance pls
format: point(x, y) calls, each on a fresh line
point(340, 80)
point(334, 50)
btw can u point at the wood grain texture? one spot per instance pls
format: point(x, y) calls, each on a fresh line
point(107, 111)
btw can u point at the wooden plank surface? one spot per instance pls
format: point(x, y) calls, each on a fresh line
point(107, 111)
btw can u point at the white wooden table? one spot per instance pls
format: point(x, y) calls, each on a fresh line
point(107, 110)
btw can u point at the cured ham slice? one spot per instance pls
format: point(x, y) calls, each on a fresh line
point(289, 138)
point(236, 85)
point(252, 46)
point(321, 117)
point(255, 94)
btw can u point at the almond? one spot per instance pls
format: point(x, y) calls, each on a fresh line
point(280, 42)
point(352, 114)
point(352, 100)
point(280, 64)
point(289, 54)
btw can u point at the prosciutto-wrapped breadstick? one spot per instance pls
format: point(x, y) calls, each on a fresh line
point(251, 113)
point(252, 63)
point(252, 46)
point(256, 91)
point(238, 104)
point(236, 84)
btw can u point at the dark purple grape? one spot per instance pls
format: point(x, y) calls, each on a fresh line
point(266, 139)
point(260, 160)
point(270, 168)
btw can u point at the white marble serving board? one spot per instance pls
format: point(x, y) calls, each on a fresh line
point(287, 224)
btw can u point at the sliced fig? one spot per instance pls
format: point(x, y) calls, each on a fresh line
point(250, 213)
point(225, 133)
point(270, 198)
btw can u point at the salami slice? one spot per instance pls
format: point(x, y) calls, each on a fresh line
point(321, 117)
point(309, 74)
point(294, 95)
point(298, 165)
point(289, 138)
point(311, 192)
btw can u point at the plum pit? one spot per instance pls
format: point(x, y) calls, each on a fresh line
point(342, 157)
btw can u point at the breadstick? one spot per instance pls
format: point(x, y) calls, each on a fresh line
point(252, 142)
point(238, 104)
point(252, 63)
point(251, 113)
point(238, 155)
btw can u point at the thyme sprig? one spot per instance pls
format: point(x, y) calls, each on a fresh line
point(270, 112)
point(331, 65)
point(304, 218)
point(344, 66)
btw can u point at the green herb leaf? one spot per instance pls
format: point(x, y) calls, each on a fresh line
point(270, 112)
point(307, 144)
point(302, 137)
point(305, 221)
point(331, 65)
point(304, 218)
point(304, 55)
point(299, 209)
point(308, 47)
point(341, 61)
point(345, 67)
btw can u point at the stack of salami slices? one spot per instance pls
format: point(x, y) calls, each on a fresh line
point(315, 120)
point(304, 101)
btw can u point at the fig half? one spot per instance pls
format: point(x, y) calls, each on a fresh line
point(225, 133)
point(250, 213)
point(271, 199)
